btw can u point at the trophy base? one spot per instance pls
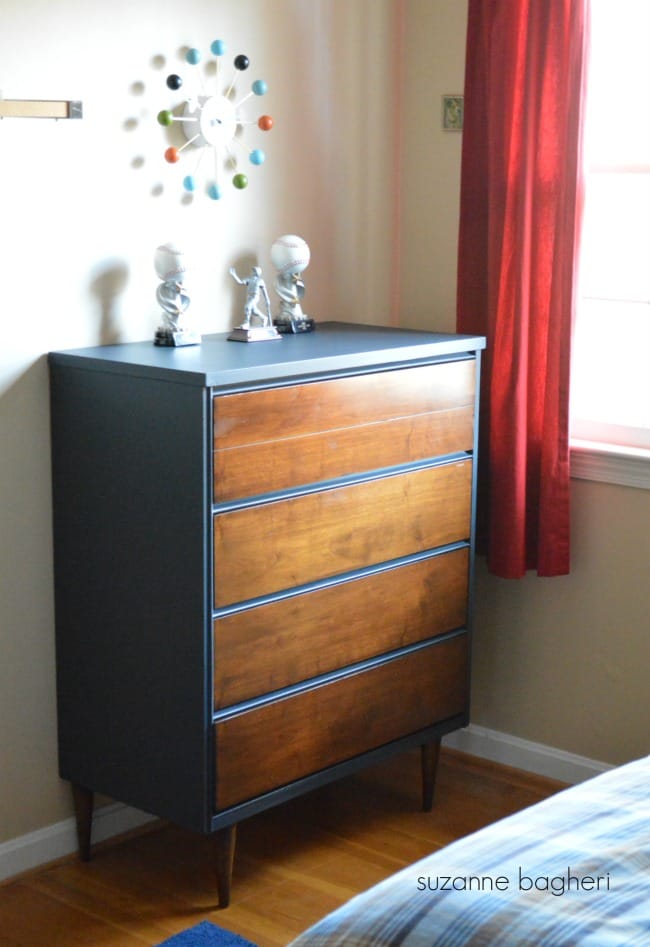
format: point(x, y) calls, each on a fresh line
point(254, 334)
point(171, 339)
point(294, 326)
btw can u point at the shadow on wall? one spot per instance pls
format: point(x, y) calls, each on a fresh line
point(107, 286)
point(27, 685)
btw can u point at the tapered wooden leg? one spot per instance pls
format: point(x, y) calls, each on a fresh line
point(430, 754)
point(224, 844)
point(83, 809)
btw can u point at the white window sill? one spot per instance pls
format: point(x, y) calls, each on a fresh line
point(610, 463)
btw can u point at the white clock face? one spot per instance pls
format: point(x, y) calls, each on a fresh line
point(212, 121)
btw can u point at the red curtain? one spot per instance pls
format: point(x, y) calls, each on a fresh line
point(519, 219)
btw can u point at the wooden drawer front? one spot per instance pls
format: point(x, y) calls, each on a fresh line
point(277, 438)
point(290, 542)
point(275, 645)
point(274, 744)
point(277, 465)
point(272, 413)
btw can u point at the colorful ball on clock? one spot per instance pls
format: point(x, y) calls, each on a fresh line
point(265, 123)
point(240, 181)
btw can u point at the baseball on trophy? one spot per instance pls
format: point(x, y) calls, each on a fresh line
point(169, 262)
point(290, 255)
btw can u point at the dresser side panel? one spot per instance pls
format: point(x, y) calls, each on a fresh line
point(130, 537)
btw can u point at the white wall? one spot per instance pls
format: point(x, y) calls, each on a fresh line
point(79, 216)
point(83, 204)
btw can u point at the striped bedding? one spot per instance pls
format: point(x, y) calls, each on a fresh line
point(571, 871)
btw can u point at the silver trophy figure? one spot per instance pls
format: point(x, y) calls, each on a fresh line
point(257, 326)
point(290, 256)
point(173, 298)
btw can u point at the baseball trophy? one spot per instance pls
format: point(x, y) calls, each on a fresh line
point(257, 325)
point(173, 298)
point(290, 256)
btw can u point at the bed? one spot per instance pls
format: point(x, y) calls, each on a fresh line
point(571, 870)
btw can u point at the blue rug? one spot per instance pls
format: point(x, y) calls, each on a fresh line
point(206, 934)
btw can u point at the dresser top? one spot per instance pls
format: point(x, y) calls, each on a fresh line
point(219, 363)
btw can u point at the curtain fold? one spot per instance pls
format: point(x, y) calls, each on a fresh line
point(521, 199)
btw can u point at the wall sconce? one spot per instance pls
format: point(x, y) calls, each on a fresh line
point(39, 108)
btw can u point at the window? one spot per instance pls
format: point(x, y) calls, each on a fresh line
point(610, 374)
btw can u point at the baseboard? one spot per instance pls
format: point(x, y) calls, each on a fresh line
point(58, 840)
point(523, 754)
point(55, 841)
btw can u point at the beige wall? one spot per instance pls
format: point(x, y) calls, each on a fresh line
point(85, 203)
point(434, 65)
point(564, 661)
point(561, 661)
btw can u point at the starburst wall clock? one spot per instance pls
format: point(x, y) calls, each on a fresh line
point(212, 124)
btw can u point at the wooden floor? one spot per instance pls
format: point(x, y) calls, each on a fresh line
point(293, 864)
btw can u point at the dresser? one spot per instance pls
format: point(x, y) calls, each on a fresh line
point(263, 566)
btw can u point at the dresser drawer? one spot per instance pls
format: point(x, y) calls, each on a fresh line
point(274, 744)
point(263, 549)
point(275, 645)
point(282, 437)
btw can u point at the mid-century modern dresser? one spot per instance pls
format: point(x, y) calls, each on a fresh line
point(263, 566)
